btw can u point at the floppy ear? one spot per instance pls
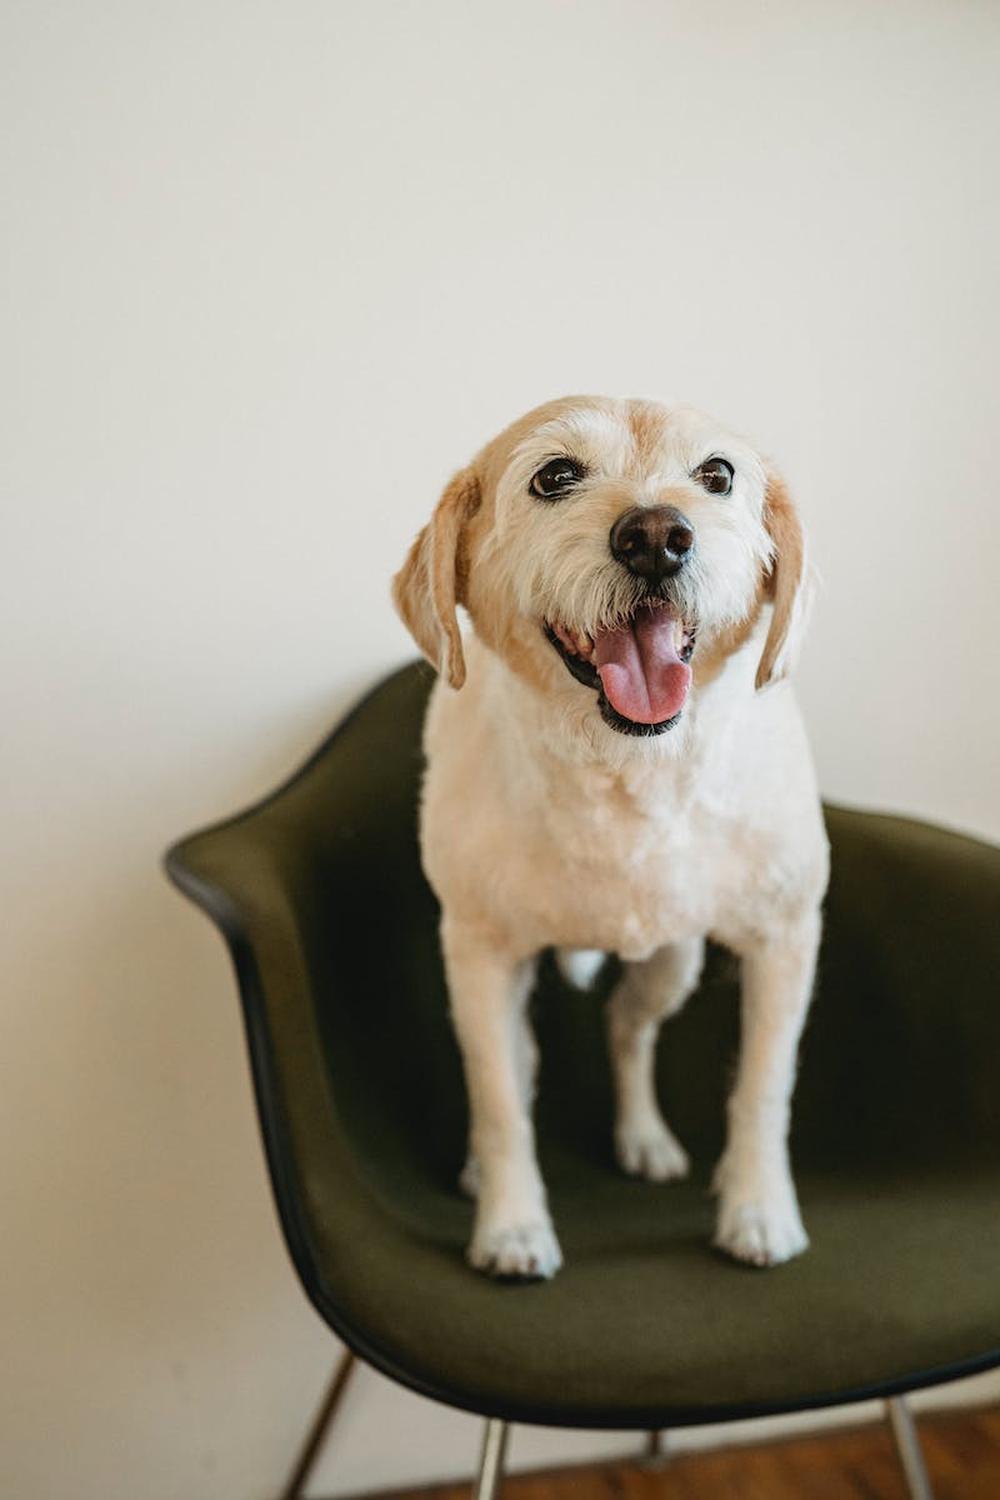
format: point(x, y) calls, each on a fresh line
point(789, 584)
point(431, 583)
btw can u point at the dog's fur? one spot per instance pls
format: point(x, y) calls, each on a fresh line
point(542, 825)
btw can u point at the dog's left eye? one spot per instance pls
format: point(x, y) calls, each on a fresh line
point(555, 477)
point(715, 475)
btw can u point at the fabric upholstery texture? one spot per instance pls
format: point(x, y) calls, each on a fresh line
point(895, 1142)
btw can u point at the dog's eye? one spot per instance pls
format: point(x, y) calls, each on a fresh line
point(715, 475)
point(556, 477)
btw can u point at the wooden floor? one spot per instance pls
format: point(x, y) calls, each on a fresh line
point(962, 1453)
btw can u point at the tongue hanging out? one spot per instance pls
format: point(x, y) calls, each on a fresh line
point(640, 667)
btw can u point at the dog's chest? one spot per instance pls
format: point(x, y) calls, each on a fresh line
point(542, 852)
point(614, 867)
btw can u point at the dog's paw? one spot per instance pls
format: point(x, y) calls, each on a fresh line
point(651, 1151)
point(527, 1251)
point(469, 1178)
point(761, 1232)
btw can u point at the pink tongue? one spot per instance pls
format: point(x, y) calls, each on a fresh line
point(643, 677)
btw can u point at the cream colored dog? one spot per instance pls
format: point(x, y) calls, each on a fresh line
point(612, 769)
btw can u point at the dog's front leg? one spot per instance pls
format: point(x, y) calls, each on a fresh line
point(759, 1217)
point(513, 1233)
point(647, 994)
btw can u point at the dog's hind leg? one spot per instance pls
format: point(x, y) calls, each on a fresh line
point(513, 1234)
point(647, 993)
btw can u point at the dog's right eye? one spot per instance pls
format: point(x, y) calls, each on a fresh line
point(556, 477)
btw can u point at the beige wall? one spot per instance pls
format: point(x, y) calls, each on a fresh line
point(272, 271)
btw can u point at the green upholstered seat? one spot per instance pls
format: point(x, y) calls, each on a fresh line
point(896, 1136)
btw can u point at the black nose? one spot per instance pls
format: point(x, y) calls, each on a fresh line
point(653, 543)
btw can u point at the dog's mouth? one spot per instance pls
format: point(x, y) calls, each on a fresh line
point(640, 670)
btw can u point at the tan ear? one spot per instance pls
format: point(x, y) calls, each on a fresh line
point(788, 584)
point(431, 583)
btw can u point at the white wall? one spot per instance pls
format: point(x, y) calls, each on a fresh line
point(272, 271)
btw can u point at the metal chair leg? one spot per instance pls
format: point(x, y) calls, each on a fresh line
point(655, 1452)
point(911, 1456)
point(491, 1462)
point(313, 1442)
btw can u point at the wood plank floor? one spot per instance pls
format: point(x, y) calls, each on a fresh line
point(962, 1452)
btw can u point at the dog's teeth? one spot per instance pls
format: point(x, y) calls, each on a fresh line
point(578, 642)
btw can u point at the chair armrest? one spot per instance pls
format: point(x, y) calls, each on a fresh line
point(251, 879)
point(912, 953)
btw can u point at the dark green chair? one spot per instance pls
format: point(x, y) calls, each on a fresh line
point(896, 1138)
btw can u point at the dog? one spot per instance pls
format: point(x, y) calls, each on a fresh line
point(616, 764)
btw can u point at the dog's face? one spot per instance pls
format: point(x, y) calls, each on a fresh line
point(606, 549)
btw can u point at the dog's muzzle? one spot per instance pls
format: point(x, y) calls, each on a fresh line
point(639, 666)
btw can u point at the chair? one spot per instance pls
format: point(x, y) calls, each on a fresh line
point(896, 1138)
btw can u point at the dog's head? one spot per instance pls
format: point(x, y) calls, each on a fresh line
point(612, 549)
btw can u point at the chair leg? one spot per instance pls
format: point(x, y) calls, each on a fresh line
point(655, 1453)
point(911, 1456)
point(320, 1426)
point(491, 1461)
